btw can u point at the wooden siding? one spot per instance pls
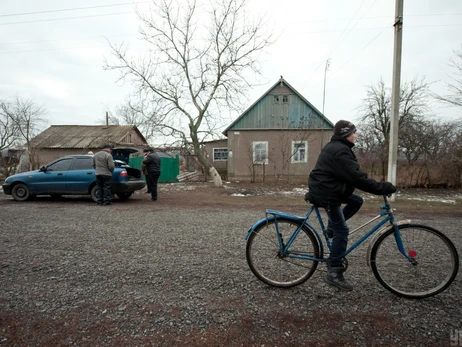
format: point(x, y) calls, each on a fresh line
point(293, 114)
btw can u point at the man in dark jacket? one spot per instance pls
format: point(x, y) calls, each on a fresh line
point(331, 184)
point(152, 162)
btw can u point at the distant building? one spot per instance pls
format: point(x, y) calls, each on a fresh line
point(59, 140)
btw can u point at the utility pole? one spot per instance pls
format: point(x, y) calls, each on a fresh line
point(395, 91)
point(324, 94)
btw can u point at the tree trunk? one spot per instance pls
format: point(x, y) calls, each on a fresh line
point(217, 181)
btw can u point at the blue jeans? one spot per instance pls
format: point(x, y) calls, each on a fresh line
point(337, 218)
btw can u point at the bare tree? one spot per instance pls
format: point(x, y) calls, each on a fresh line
point(196, 65)
point(29, 121)
point(376, 112)
point(8, 127)
point(454, 86)
point(369, 147)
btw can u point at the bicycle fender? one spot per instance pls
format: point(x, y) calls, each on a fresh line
point(257, 224)
point(380, 233)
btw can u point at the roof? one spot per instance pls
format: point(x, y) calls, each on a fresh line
point(329, 124)
point(84, 136)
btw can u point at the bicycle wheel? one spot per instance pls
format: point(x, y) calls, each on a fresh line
point(270, 266)
point(435, 265)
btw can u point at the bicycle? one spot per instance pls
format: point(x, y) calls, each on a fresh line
point(410, 260)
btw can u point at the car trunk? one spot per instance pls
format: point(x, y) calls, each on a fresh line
point(124, 155)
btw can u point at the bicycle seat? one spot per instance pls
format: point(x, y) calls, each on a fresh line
point(309, 199)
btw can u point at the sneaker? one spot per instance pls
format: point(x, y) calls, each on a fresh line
point(334, 277)
point(107, 204)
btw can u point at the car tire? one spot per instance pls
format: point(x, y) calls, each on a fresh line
point(124, 196)
point(21, 192)
point(94, 193)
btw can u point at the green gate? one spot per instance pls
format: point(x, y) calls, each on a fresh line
point(169, 167)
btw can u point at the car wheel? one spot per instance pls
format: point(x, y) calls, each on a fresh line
point(124, 196)
point(21, 192)
point(94, 194)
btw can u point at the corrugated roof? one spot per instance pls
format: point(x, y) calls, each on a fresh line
point(83, 136)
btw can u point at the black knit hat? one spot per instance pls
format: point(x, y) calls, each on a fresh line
point(108, 146)
point(344, 128)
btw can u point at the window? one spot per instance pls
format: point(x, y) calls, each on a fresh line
point(285, 99)
point(260, 152)
point(276, 99)
point(220, 154)
point(299, 150)
point(82, 164)
point(60, 165)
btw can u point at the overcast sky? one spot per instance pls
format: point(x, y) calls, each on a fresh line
point(52, 51)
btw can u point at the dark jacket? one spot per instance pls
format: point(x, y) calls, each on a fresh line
point(152, 162)
point(337, 174)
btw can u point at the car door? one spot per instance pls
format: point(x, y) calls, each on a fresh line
point(80, 176)
point(52, 179)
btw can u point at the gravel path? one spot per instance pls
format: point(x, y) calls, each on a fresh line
point(147, 274)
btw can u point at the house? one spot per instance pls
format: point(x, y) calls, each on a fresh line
point(278, 137)
point(217, 152)
point(59, 140)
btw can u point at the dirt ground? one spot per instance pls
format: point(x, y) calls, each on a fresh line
point(173, 273)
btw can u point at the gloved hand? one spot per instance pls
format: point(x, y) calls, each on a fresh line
point(388, 188)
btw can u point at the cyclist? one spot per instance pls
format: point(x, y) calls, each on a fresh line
point(331, 184)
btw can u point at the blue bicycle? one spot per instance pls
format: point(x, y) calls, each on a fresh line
point(410, 260)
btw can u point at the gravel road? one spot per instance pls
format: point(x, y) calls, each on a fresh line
point(171, 274)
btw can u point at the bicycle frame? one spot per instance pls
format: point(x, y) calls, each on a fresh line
point(386, 216)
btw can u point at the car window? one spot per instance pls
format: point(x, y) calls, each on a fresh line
point(60, 165)
point(82, 164)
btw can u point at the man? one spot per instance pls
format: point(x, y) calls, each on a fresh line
point(103, 163)
point(331, 184)
point(152, 162)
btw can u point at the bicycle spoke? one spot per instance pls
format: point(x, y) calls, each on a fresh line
point(266, 259)
point(435, 266)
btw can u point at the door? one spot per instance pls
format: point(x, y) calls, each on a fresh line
point(52, 180)
point(80, 176)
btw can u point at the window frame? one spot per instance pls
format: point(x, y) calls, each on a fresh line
point(254, 150)
point(220, 148)
point(295, 159)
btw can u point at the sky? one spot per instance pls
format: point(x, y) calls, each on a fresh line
point(53, 51)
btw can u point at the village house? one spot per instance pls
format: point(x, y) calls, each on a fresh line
point(278, 137)
point(60, 140)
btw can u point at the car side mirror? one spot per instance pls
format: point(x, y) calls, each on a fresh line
point(43, 169)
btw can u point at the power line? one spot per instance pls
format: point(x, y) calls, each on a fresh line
point(119, 35)
point(376, 17)
point(56, 19)
point(70, 39)
point(71, 9)
point(340, 38)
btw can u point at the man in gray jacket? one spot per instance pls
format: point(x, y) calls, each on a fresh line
point(103, 163)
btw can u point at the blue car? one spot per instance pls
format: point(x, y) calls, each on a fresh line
point(71, 175)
